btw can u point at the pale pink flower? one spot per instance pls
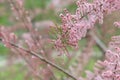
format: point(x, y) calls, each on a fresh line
point(117, 24)
point(74, 26)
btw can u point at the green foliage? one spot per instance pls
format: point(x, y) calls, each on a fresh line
point(49, 15)
point(14, 72)
point(30, 4)
point(3, 50)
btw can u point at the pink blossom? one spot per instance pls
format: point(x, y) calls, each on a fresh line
point(74, 26)
point(117, 24)
point(107, 74)
point(7, 37)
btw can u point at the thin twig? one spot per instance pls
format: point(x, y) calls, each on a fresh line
point(44, 60)
point(100, 44)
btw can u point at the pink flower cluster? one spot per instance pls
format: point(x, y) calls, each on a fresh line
point(117, 24)
point(109, 69)
point(112, 65)
point(7, 36)
point(75, 26)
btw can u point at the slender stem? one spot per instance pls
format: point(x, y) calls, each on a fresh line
point(44, 60)
point(101, 45)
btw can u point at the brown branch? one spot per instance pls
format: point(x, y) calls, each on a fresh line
point(44, 60)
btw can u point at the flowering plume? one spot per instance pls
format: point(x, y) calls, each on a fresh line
point(74, 26)
point(110, 67)
point(20, 13)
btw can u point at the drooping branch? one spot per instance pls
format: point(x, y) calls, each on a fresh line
point(43, 59)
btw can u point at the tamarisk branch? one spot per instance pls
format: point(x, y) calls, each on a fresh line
point(43, 59)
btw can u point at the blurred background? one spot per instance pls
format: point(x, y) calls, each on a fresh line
point(43, 14)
